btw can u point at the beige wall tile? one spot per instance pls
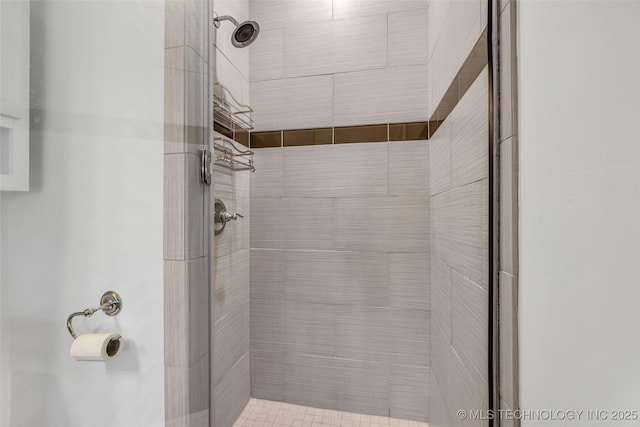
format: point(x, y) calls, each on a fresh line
point(408, 168)
point(508, 206)
point(343, 10)
point(469, 322)
point(267, 223)
point(459, 32)
point(177, 403)
point(384, 224)
point(357, 95)
point(174, 206)
point(174, 23)
point(409, 392)
point(196, 26)
point(345, 170)
point(174, 77)
point(309, 223)
point(470, 134)
point(198, 309)
point(409, 281)
point(267, 180)
point(221, 37)
point(267, 56)
point(408, 38)
point(280, 13)
point(440, 159)
point(295, 103)
point(199, 391)
point(266, 322)
point(347, 385)
point(229, 342)
point(232, 393)
point(195, 205)
point(267, 274)
point(507, 106)
point(438, 411)
point(328, 277)
point(335, 46)
point(458, 235)
point(454, 382)
point(441, 296)
point(231, 280)
point(508, 339)
point(176, 325)
point(363, 333)
point(410, 337)
point(308, 328)
point(267, 375)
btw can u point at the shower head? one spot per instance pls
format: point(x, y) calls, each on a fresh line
point(245, 33)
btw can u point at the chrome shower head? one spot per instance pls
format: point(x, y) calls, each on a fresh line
point(245, 32)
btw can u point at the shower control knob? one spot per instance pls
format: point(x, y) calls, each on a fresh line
point(225, 216)
point(221, 216)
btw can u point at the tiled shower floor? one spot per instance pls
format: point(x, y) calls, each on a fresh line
point(264, 413)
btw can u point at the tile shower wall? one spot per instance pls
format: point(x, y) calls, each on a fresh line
point(230, 300)
point(459, 244)
point(459, 213)
point(325, 63)
point(340, 301)
point(232, 64)
point(186, 249)
point(454, 26)
point(230, 310)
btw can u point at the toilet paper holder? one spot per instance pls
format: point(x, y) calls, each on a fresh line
point(110, 304)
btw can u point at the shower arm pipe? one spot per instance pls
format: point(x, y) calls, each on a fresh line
point(217, 19)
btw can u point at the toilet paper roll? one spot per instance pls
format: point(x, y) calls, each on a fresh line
point(95, 347)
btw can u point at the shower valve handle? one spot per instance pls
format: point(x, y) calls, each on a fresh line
point(224, 216)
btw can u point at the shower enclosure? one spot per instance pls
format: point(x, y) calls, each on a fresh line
point(304, 220)
point(363, 288)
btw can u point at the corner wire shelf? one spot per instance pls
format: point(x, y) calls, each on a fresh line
point(227, 155)
point(229, 112)
point(235, 116)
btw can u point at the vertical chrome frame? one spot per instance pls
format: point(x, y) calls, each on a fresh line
point(494, 211)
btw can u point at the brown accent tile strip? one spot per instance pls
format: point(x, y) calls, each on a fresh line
point(433, 126)
point(266, 139)
point(470, 70)
point(408, 131)
point(295, 138)
point(241, 137)
point(413, 131)
point(369, 133)
point(223, 130)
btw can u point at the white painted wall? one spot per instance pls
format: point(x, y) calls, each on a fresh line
point(14, 95)
point(92, 220)
point(579, 206)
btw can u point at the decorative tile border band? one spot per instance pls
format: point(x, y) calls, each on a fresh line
point(414, 131)
point(341, 135)
point(471, 68)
